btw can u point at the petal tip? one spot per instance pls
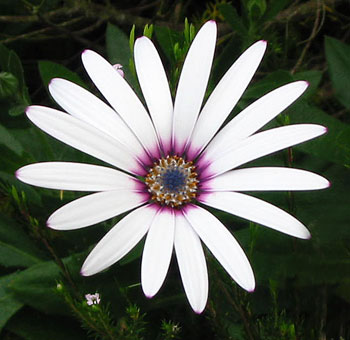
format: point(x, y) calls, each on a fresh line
point(17, 173)
point(263, 43)
point(198, 311)
point(85, 54)
point(48, 224)
point(306, 235)
point(251, 290)
point(51, 82)
point(303, 84)
point(84, 273)
point(140, 39)
point(54, 82)
point(27, 109)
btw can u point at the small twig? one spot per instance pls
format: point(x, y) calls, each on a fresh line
point(90, 322)
point(58, 261)
point(141, 8)
point(238, 309)
point(60, 28)
point(38, 32)
point(90, 28)
point(313, 34)
point(34, 18)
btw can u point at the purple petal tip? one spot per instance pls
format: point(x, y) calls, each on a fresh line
point(85, 52)
point(27, 110)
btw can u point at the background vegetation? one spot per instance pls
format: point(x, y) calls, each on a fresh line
point(303, 287)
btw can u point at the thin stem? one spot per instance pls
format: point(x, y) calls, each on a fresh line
point(238, 308)
point(39, 31)
point(315, 30)
point(58, 260)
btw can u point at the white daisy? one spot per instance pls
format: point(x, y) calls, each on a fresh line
point(172, 157)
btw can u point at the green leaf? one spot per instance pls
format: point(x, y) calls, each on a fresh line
point(15, 67)
point(314, 79)
point(118, 51)
point(117, 45)
point(8, 304)
point(338, 58)
point(231, 16)
point(326, 213)
point(36, 286)
point(10, 62)
point(256, 9)
point(49, 70)
point(32, 325)
point(263, 86)
point(17, 110)
point(4, 57)
point(8, 85)
point(9, 141)
point(343, 290)
point(267, 84)
point(167, 38)
point(273, 8)
point(16, 248)
point(335, 145)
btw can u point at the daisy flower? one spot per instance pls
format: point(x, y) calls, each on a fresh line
point(170, 162)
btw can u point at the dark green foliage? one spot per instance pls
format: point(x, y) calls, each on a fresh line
point(338, 58)
point(303, 286)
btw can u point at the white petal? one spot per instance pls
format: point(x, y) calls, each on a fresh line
point(192, 85)
point(157, 252)
point(83, 137)
point(122, 98)
point(256, 115)
point(267, 178)
point(192, 264)
point(259, 145)
point(119, 240)
point(256, 210)
point(155, 89)
point(222, 245)
point(95, 208)
point(225, 96)
point(76, 176)
point(82, 104)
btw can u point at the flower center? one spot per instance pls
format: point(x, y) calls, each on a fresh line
point(172, 181)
